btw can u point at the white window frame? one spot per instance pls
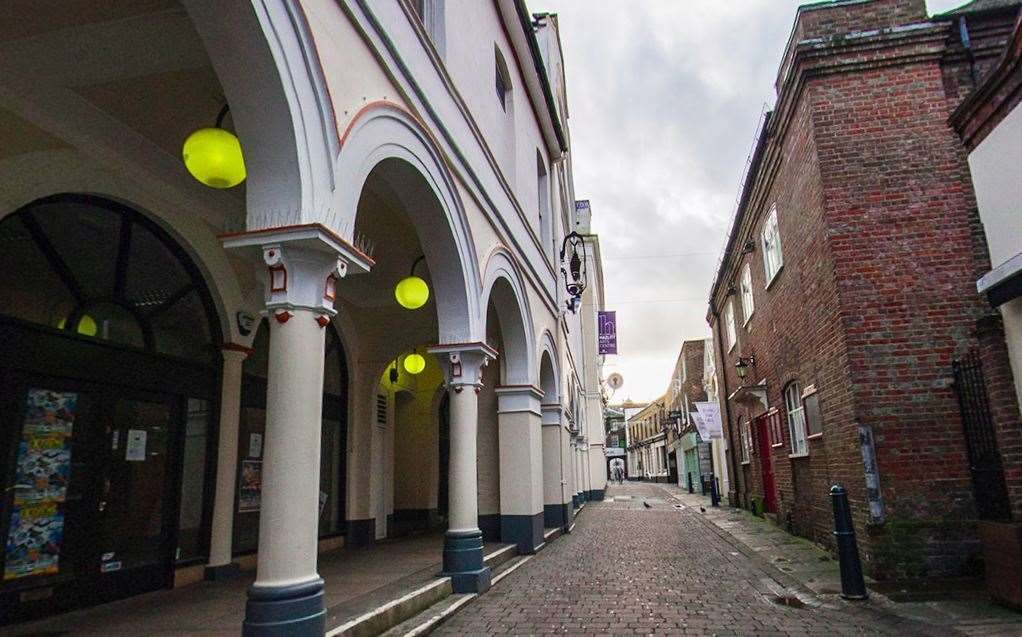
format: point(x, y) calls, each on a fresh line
point(745, 433)
point(748, 302)
point(770, 239)
point(796, 420)
point(729, 321)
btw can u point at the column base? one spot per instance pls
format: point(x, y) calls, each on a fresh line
point(574, 501)
point(524, 530)
point(596, 495)
point(463, 562)
point(221, 572)
point(360, 533)
point(292, 611)
point(489, 524)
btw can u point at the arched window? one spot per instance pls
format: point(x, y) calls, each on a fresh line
point(98, 269)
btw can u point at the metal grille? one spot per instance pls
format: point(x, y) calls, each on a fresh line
point(988, 484)
point(381, 409)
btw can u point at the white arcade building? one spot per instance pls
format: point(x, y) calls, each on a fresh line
point(195, 370)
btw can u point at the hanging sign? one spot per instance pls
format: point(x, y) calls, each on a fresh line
point(700, 423)
point(36, 531)
point(710, 412)
point(607, 322)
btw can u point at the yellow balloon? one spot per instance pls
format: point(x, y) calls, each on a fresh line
point(414, 364)
point(213, 156)
point(412, 293)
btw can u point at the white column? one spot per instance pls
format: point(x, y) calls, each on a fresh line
point(463, 542)
point(222, 531)
point(521, 466)
point(302, 267)
point(556, 506)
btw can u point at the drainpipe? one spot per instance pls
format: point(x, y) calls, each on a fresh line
point(963, 34)
point(727, 406)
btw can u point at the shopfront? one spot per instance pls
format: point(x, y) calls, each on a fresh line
point(109, 378)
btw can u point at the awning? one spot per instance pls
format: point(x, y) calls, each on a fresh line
point(750, 396)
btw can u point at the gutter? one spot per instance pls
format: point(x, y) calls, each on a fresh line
point(525, 21)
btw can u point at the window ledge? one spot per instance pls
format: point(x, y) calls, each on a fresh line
point(770, 283)
point(795, 456)
point(815, 436)
point(775, 445)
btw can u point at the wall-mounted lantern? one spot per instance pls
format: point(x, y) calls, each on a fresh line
point(575, 275)
point(743, 365)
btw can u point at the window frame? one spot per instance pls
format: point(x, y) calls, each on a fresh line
point(774, 429)
point(748, 300)
point(729, 324)
point(812, 393)
point(745, 435)
point(770, 241)
point(795, 415)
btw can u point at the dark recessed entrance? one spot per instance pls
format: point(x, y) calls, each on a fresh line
point(108, 381)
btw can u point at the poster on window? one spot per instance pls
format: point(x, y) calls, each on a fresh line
point(251, 486)
point(36, 530)
point(607, 328)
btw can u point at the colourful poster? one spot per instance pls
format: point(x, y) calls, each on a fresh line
point(36, 531)
point(251, 486)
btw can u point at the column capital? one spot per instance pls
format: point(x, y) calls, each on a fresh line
point(463, 363)
point(518, 398)
point(552, 414)
point(303, 264)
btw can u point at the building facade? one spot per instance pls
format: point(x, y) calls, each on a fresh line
point(647, 443)
point(990, 124)
point(846, 301)
point(197, 379)
point(689, 455)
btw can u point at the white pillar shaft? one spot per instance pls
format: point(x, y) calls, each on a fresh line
point(463, 509)
point(220, 545)
point(289, 516)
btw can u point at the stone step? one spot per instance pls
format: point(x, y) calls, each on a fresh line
point(391, 605)
point(428, 620)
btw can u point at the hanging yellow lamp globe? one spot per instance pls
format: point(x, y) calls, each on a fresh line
point(213, 156)
point(414, 364)
point(86, 325)
point(411, 293)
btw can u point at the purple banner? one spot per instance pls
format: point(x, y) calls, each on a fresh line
point(608, 332)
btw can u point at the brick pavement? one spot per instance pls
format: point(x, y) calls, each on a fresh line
point(629, 569)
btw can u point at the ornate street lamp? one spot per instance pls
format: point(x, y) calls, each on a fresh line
point(213, 155)
point(575, 275)
point(743, 364)
point(412, 292)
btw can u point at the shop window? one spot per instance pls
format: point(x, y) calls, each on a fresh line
point(773, 258)
point(190, 535)
point(98, 269)
point(796, 419)
point(811, 407)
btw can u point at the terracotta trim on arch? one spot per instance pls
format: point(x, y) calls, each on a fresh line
point(234, 347)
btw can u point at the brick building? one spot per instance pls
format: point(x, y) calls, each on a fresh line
point(646, 442)
point(847, 288)
point(687, 452)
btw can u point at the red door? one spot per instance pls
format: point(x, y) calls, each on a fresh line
point(766, 464)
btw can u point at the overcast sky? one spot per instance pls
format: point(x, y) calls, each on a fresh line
point(664, 98)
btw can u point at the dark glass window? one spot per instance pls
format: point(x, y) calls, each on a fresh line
point(98, 269)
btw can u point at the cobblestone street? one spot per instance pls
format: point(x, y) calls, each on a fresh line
point(655, 570)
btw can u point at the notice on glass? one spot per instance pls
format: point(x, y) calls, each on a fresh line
point(251, 487)
point(255, 446)
point(134, 451)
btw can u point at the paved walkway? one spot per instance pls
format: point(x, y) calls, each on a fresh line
point(355, 578)
point(645, 563)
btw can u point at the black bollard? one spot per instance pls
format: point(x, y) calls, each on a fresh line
point(852, 584)
point(690, 489)
point(714, 492)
